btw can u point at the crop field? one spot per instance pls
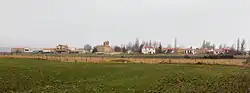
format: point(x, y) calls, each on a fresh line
point(235, 62)
point(43, 76)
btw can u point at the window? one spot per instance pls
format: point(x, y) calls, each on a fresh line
point(26, 50)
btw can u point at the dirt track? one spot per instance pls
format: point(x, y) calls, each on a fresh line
point(238, 62)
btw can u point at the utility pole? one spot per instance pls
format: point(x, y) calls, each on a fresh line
point(175, 44)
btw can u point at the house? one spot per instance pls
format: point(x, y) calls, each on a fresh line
point(17, 50)
point(105, 48)
point(62, 48)
point(148, 50)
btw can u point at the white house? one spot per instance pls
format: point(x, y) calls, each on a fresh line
point(148, 50)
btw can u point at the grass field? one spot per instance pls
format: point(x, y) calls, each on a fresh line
point(42, 76)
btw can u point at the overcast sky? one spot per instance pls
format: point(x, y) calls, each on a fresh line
point(45, 23)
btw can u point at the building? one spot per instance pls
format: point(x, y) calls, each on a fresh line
point(17, 50)
point(105, 48)
point(190, 51)
point(148, 50)
point(168, 50)
point(218, 51)
point(37, 50)
point(62, 48)
point(82, 51)
point(49, 50)
point(28, 50)
point(73, 50)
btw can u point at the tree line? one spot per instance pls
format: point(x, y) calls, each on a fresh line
point(137, 46)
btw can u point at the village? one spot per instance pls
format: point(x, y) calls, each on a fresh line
point(137, 48)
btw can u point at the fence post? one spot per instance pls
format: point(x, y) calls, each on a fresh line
point(90, 58)
point(81, 58)
point(47, 57)
point(61, 57)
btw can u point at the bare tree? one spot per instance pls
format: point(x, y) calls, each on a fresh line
point(203, 44)
point(175, 43)
point(207, 44)
point(117, 49)
point(225, 46)
point(150, 43)
point(146, 44)
point(160, 48)
point(243, 45)
point(238, 45)
point(124, 50)
point(232, 47)
point(136, 46)
point(155, 44)
point(143, 42)
point(220, 46)
point(169, 46)
point(213, 46)
point(141, 46)
point(94, 50)
point(129, 46)
point(87, 47)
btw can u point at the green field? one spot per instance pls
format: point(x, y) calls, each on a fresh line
point(41, 76)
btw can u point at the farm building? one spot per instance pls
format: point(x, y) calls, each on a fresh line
point(218, 51)
point(190, 51)
point(62, 48)
point(81, 51)
point(48, 50)
point(73, 50)
point(17, 50)
point(105, 48)
point(37, 50)
point(148, 50)
point(23, 50)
